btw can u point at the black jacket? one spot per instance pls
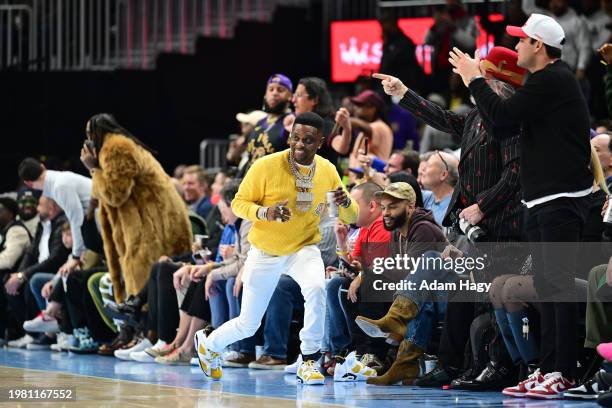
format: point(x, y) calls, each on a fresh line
point(555, 129)
point(488, 166)
point(58, 253)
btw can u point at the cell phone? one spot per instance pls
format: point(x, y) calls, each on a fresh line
point(90, 146)
point(350, 270)
point(366, 142)
point(201, 239)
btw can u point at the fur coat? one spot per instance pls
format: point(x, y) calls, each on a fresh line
point(142, 217)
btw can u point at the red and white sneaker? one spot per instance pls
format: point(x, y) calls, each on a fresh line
point(553, 387)
point(529, 383)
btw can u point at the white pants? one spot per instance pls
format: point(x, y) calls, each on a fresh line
point(260, 277)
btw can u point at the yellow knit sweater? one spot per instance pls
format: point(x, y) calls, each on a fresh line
point(268, 182)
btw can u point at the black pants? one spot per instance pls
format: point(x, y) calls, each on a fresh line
point(81, 307)
point(558, 221)
point(195, 303)
point(15, 309)
point(161, 297)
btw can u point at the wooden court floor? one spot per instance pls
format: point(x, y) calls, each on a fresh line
point(102, 392)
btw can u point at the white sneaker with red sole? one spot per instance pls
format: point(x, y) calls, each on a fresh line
point(521, 389)
point(553, 387)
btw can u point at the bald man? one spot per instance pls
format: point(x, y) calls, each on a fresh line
point(439, 178)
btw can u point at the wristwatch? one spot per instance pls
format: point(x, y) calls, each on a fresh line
point(21, 277)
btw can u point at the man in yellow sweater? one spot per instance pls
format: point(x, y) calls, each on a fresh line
point(284, 195)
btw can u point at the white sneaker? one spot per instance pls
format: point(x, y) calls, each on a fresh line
point(63, 342)
point(293, 368)
point(41, 324)
point(210, 362)
point(21, 342)
point(352, 370)
point(309, 374)
point(125, 353)
point(144, 357)
point(230, 355)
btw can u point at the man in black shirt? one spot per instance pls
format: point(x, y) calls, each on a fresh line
point(554, 115)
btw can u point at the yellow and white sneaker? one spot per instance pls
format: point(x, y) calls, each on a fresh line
point(353, 370)
point(210, 362)
point(309, 374)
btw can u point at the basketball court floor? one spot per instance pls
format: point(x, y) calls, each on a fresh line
point(104, 381)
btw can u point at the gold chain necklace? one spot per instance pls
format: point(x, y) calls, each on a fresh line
point(303, 184)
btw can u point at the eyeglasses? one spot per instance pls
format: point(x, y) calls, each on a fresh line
point(301, 94)
point(442, 158)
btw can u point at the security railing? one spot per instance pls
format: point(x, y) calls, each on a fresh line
point(109, 34)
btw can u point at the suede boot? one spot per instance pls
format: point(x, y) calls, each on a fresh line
point(405, 368)
point(393, 325)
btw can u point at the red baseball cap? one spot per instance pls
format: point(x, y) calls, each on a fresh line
point(501, 63)
point(370, 97)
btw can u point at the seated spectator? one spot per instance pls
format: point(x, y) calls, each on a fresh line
point(371, 234)
point(223, 277)
point(49, 320)
point(368, 120)
point(412, 314)
point(46, 253)
point(439, 179)
point(402, 160)
point(27, 200)
point(196, 190)
point(15, 239)
point(602, 144)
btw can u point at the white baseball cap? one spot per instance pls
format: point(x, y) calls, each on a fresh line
point(251, 117)
point(542, 28)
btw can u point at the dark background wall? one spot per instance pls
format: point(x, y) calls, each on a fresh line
point(186, 99)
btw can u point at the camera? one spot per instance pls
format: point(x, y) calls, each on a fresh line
point(474, 233)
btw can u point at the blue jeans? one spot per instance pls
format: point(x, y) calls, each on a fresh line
point(36, 284)
point(243, 346)
point(431, 305)
point(219, 306)
point(337, 328)
point(286, 299)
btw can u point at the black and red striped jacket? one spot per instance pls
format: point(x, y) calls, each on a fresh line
point(488, 166)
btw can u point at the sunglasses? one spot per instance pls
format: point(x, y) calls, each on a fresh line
point(442, 158)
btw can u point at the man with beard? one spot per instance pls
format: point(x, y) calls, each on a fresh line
point(409, 320)
point(284, 195)
point(270, 135)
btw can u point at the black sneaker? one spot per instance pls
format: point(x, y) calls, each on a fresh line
point(42, 342)
point(591, 389)
point(492, 378)
point(438, 377)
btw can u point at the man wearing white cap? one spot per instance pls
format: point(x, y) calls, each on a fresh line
point(555, 123)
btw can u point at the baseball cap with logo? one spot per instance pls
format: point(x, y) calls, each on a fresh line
point(542, 28)
point(281, 80)
point(399, 190)
point(501, 63)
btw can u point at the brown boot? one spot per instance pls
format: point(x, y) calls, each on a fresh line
point(405, 368)
point(393, 324)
